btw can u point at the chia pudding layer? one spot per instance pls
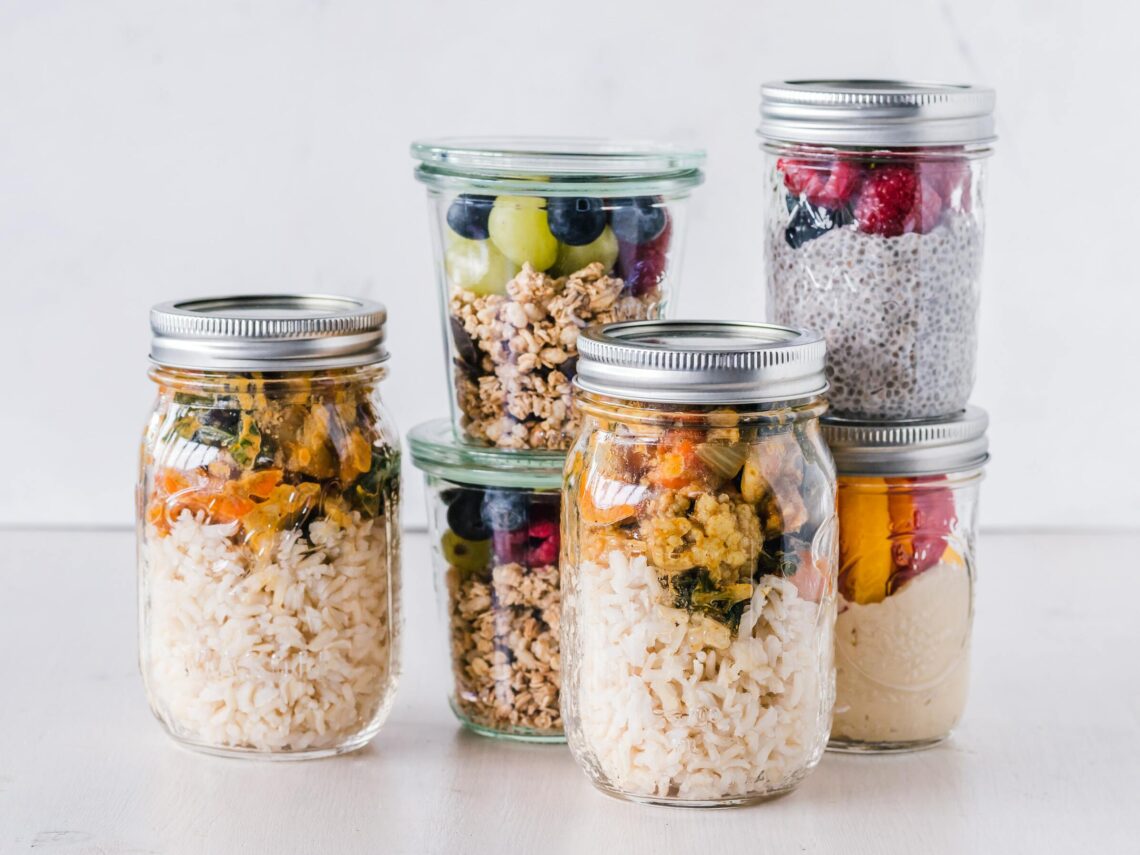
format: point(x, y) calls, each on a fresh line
point(899, 313)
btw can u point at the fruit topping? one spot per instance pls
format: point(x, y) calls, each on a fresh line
point(477, 266)
point(888, 195)
point(927, 210)
point(505, 510)
point(518, 226)
point(808, 221)
point(576, 221)
point(637, 220)
point(830, 185)
point(470, 556)
point(467, 215)
point(465, 515)
point(603, 250)
point(642, 265)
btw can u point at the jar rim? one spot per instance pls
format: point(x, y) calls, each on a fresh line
point(558, 165)
point(701, 362)
point(890, 113)
point(437, 451)
point(955, 443)
point(268, 332)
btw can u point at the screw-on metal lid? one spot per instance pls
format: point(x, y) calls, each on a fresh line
point(701, 362)
point(436, 451)
point(268, 332)
point(876, 113)
point(932, 447)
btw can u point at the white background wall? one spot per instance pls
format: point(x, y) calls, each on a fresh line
point(151, 150)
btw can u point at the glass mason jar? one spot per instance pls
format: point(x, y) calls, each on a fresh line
point(699, 561)
point(493, 519)
point(874, 226)
point(268, 526)
point(908, 496)
point(534, 240)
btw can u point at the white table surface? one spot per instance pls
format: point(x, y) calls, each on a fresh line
point(1047, 759)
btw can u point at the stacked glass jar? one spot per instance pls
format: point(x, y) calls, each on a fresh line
point(874, 238)
point(535, 240)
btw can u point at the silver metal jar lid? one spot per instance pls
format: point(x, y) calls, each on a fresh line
point(932, 447)
point(701, 362)
point(876, 113)
point(268, 332)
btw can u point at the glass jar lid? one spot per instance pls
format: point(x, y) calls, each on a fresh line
point(876, 113)
point(268, 332)
point(929, 447)
point(701, 362)
point(557, 166)
point(436, 451)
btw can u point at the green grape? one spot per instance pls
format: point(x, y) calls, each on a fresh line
point(476, 265)
point(572, 258)
point(519, 228)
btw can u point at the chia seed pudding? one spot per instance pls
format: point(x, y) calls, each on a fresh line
point(899, 313)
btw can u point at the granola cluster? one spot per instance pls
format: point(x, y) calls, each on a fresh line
point(516, 353)
point(504, 648)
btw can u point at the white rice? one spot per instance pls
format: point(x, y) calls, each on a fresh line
point(655, 712)
point(293, 651)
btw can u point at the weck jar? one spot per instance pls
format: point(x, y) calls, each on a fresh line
point(874, 231)
point(268, 526)
point(535, 239)
point(493, 518)
point(908, 499)
point(699, 562)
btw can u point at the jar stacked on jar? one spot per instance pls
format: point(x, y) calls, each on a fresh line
point(874, 232)
point(535, 240)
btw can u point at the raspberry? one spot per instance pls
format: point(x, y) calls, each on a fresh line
point(642, 265)
point(927, 212)
point(830, 186)
point(887, 197)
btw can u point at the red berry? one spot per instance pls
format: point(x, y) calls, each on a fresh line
point(543, 529)
point(510, 547)
point(830, 185)
point(642, 265)
point(543, 554)
point(927, 211)
point(888, 195)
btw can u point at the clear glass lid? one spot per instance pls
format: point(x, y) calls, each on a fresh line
point(573, 165)
point(437, 451)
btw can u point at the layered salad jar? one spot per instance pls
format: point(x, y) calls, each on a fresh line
point(536, 239)
point(699, 562)
point(874, 227)
point(268, 526)
point(493, 520)
point(908, 496)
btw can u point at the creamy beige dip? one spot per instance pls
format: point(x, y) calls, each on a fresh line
point(902, 665)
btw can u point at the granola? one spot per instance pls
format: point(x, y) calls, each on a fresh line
point(504, 648)
point(516, 353)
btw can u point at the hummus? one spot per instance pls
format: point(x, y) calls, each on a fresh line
point(902, 665)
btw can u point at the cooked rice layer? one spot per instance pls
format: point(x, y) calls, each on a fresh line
point(663, 713)
point(290, 651)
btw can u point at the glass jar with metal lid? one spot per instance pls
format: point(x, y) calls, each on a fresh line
point(699, 561)
point(908, 497)
point(874, 235)
point(536, 239)
point(493, 519)
point(268, 526)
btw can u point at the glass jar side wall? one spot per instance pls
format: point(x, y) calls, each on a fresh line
point(699, 562)
point(497, 580)
point(906, 589)
point(268, 515)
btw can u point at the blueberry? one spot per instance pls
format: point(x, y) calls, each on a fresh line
point(468, 215)
point(808, 221)
point(576, 221)
point(465, 515)
point(637, 220)
point(505, 510)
